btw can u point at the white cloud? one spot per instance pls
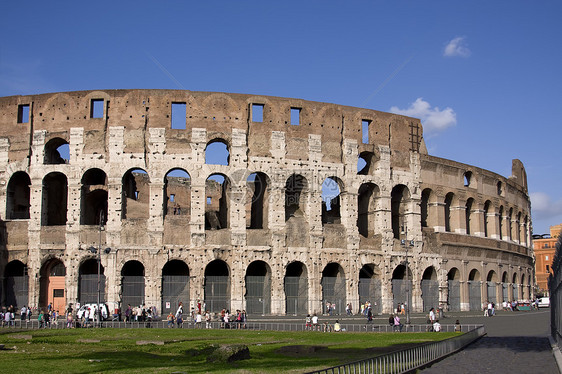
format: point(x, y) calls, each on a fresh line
point(457, 48)
point(433, 119)
point(543, 207)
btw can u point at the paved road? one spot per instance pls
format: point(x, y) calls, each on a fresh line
point(516, 342)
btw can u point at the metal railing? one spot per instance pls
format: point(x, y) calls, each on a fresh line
point(408, 359)
point(258, 326)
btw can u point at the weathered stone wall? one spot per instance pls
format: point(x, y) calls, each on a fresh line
point(453, 229)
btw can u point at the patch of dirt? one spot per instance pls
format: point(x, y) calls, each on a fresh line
point(375, 351)
point(300, 350)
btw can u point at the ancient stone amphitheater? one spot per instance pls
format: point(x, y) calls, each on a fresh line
point(273, 205)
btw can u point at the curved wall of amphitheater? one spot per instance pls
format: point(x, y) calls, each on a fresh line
point(257, 230)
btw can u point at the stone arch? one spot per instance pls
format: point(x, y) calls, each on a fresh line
point(56, 151)
point(400, 197)
point(88, 281)
point(454, 290)
point(295, 203)
point(175, 286)
point(366, 163)
point(491, 282)
point(258, 288)
point(367, 197)
point(52, 284)
point(470, 222)
point(18, 195)
point(135, 198)
point(217, 152)
point(509, 235)
point(487, 213)
point(296, 288)
point(217, 204)
point(94, 197)
point(257, 201)
point(518, 227)
point(401, 286)
point(177, 194)
point(16, 284)
point(370, 287)
point(449, 201)
point(430, 289)
point(333, 288)
point(132, 283)
point(505, 286)
point(332, 188)
point(474, 290)
point(54, 199)
point(217, 286)
point(500, 222)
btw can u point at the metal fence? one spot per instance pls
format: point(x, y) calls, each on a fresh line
point(407, 359)
point(249, 325)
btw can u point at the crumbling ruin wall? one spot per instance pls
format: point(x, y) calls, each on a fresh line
point(391, 195)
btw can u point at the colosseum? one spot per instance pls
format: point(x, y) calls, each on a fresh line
point(273, 205)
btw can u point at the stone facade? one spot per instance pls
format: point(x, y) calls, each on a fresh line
point(313, 203)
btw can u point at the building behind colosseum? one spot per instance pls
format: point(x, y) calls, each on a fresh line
point(310, 203)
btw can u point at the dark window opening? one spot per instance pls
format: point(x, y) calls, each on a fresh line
point(179, 116)
point(135, 193)
point(295, 116)
point(366, 163)
point(96, 108)
point(18, 194)
point(424, 207)
point(177, 193)
point(54, 199)
point(258, 202)
point(467, 178)
point(330, 201)
point(57, 151)
point(448, 202)
point(257, 112)
point(23, 113)
point(366, 209)
point(398, 201)
point(217, 189)
point(294, 187)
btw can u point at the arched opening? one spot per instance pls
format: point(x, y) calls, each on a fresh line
point(509, 235)
point(491, 282)
point(430, 289)
point(467, 179)
point(17, 196)
point(505, 286)
point(448, 202)
point(518, 228)
point(454, 294)
point(132, 284)
point(401, 286)
point(294, 202)
point(177, 194)
point(331, 201)
point(135, 194)
point(216, 152)
point(370, 287)
point(500, 223)
point(57, 151)
point(515, 287)
point(217, 190)
point(474, 290)
point(400, 197)
point(175, 286)
point(93, 203)
point(296, 289)
point(257, 206)
point(486, 220)
point(366, 205)
point(52, 285)
point(217, 286)
point(16, 284)
point(258, 288)
point(468, 215)
point(333, 289)
point(366, 163)
point(54, 199)
point(88, 282)
point(424, 207)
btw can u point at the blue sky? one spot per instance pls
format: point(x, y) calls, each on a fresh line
point(485, 77)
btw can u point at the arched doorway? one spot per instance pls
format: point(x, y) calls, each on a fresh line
point(474, 290)
point(401, 288)
point(515, 286)
point(16, 283)
point(505, 287)
point(175, 286)
point(217, 286)
point(88, 282)
point(258, 288)
point(52, 285)
point(296, 289)
point(370, 288)
point(333, 288)
point(430, 289)
point(454, 294)
point(491, 287)
point(132, 284)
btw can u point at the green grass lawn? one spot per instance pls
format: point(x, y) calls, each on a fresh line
point(186, 350)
